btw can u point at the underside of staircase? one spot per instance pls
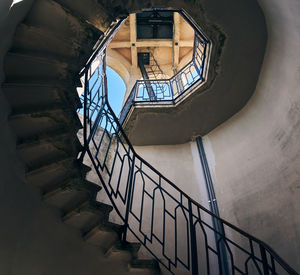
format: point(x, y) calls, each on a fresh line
point(49, 49)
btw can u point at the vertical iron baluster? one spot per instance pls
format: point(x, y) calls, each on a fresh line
point(195, 53)
point(193, 241)
point(85, 109)
point(264, 259)
point(135, 95)
point(129, 197)
point(203, 57)
point(196, 67)
point(171, 87)
point(85, 115)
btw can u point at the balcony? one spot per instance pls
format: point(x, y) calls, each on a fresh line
point(174, 90)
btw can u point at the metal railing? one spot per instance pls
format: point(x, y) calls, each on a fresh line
point(169, 90)
point(172, 227)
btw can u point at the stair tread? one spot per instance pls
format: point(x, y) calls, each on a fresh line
point(83, 219)
point(90, 11)
point(102, 239)
point(67, 196)
point(40, 154)
point(50, 176)
point(144, 263)
point(65, 142)
point(36, 124)
point(34, 39)
point(133, 247)
point(89, 206)
point(65, 137)
point(50, 15)
point(37, 56)
point(33, 97)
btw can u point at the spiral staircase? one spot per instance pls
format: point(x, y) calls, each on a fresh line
point(49, 49)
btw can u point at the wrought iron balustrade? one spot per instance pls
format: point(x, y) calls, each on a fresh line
point(172, 227)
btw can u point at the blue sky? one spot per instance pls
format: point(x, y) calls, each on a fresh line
point(116, 90)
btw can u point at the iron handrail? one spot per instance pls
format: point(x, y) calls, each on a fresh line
point(106, 112)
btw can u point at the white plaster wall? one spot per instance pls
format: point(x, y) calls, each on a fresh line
point(255, 156)
point(180, 164)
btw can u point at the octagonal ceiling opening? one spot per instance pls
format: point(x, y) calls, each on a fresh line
point(161, 55)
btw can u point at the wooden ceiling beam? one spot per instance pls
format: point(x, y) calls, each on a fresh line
point(132, 18)
point(176, 38)
point(149, 43)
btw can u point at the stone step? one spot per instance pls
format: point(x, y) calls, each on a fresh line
point(32, 40)
point(51, 16)
point(30, 68)
point(50, 177)
point(68, 200)
point(132, 247)
point(144, 263)
point(143, 270)
point(88, 10)
point(121, 250)
point(129, 251)
point(76, 183)
point(100, 209)
point(104, 239)
point(86, 216)
point(36, 125)
point(25, 98)
point(120, 254)
point(39, 153)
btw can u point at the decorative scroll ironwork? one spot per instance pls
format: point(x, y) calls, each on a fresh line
point(173, 227)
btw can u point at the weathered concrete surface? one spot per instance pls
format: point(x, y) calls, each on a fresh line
point(234, 70)
point(257, 152)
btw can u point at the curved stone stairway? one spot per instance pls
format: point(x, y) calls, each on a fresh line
point(49, 49)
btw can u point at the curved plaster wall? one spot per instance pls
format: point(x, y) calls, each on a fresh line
point(256, 154)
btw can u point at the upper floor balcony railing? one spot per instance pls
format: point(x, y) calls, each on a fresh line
point(173, 89)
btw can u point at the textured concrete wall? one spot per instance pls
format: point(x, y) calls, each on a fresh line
point(255, 156)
